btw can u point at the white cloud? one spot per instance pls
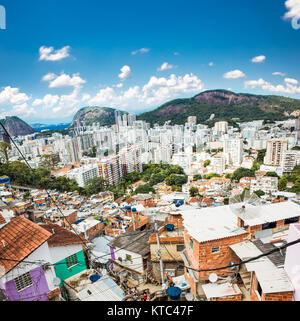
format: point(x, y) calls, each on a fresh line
point(293, 13)
point(13, 96)
point(142, 51)
point(120, 85)
point(289, 87)
point(165, 66)
point(64, 80)
point(155, 92)
point(47, 102)
point(49, 77)
point(125, 73)
point(211, 64)
point(291, 81)
point(277, 73)
point(234, 74)
point(258, 59)
point(23, 110)
point(49, 54)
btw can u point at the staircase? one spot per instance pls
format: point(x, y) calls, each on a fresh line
point(246, 278)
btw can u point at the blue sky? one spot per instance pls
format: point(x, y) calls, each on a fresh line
point(56, 57)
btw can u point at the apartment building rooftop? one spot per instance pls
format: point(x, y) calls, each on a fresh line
point(212, 223)
point(257, 215)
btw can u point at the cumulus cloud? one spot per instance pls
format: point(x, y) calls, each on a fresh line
point(277, 73)
point(125, 73)
point(290, 86)
point(64, 80)
point(141, 51)
point(234, 74)
point(293, 13)
point(155, 92)
point(165, 66)
point(24, 110)
point(13, 96)
point(50, 54)
point(258, 59)
point(47, 101)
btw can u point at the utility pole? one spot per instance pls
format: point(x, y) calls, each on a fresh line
point(159, 256)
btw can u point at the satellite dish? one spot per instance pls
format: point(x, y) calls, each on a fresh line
point(240, 203)
point(213, 277)
point(56, 281)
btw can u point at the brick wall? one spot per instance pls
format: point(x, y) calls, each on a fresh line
point(238, 297)
point(201, 257)
point(279, 296)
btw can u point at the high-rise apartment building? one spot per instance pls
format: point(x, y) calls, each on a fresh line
point(110, 169)
point(221, 127)
point(128, 160)
point(234, 147)
point(290, 159)
point(275, 151)
point(83, 174)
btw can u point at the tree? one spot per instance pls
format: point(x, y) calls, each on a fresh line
point(197, 177)
point(211, 175)
point(282, 183)
point(206, 163)
point(49, 161)
point(272, 174)
point(144, 189)
point(296, 148)
point(94, 186)
point(4, 147)
point(260, 155)
point(156, 178)
point(260, 193)
point(26, 195)
point(194, 191)
point(242, 172)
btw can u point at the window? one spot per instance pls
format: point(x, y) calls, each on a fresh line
point(128, 257)
point(180, 248)
point(72, 261)
point(269, 225)
point(291, 220)
point(258, 290)
point(191, 244)
point(24, 281)
point(215, 249)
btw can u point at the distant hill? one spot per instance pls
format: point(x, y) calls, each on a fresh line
point(16, 126)
point(89, 115)
point(225, 105)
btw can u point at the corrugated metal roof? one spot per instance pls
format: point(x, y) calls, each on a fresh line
point(104, 289)
point(257, 215)
point(220, 290)
point(211, 223)
point(270, 278)
point(274, 280)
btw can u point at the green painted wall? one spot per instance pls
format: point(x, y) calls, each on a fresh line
point(62, 271)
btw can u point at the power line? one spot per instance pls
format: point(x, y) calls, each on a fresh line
point(50, 197)
point(240, 263)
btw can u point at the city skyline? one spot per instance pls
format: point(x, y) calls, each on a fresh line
point(56, 60)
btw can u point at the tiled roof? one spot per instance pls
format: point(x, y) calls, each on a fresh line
point(277, 258)
point(61, 236)
point(2, 219)
point(18, 239)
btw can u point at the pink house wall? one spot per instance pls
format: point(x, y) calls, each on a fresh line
point(292, 259)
